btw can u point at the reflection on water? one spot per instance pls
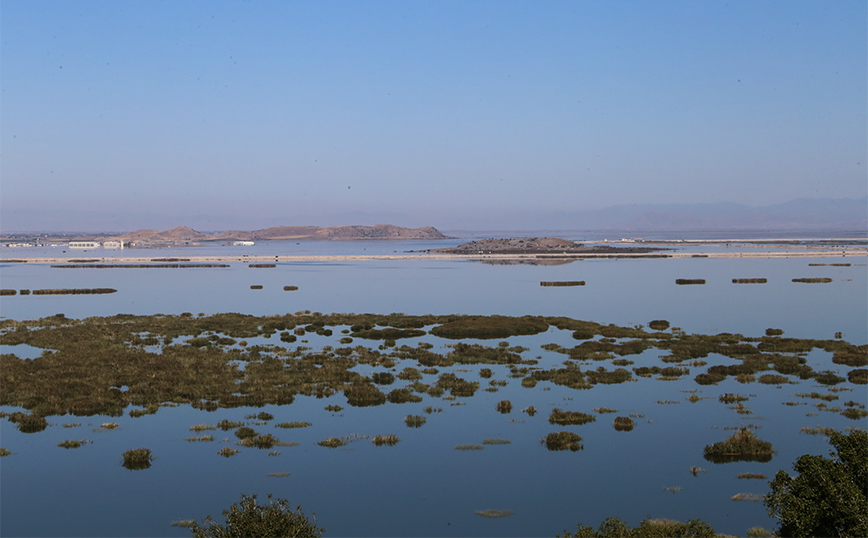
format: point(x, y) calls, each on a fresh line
point(421, 485)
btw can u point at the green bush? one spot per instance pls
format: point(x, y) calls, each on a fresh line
point(247, 518)
point(827, 497)
point(648, 528)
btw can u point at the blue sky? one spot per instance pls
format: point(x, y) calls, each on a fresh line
point(134, 114)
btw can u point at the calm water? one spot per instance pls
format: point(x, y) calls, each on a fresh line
point(423, 486)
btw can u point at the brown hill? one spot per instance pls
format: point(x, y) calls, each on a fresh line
point(334, 233)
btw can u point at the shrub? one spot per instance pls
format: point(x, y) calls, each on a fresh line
point(623, 424)
point(138, 458)
point(743, 445)
point(247, 518)
point(563, 441)
point(390, 440)
point(566, 418)
point(827, 497)
point(648, 528)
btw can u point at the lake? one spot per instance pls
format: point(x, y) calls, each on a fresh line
point(424, 486)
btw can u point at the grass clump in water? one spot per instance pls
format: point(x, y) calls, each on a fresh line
point(4, 452)
point(752, 476)
point(71, 444)
point(743, 445)
point(493, 513)
point(137, 459)
point(296, 424)
point(414, 421)
point(333, 442)
point(504, 407)
point(469, 447)
point(260, 441)
point(200, 438)
point(563, 441)
point(227, 452)
point(496, 441)
point(623, 424)
point(568, 418)
point(390, 440)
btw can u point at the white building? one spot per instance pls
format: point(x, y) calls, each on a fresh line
point(83, 244)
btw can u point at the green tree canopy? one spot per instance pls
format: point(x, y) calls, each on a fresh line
point(827, 497)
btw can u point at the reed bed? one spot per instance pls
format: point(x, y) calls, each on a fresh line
point(75, 291)
point(290, 288)
point(143, 266)
point(227, 452)
point(749, 280)
point(493, 513)
point(389, 440)
point(813, 280)
point(297, 424)
point(743, 445)
point(623, 424)
point(689, 281)
point(563, 283)
point(262, 265)
point(569, 418)
point(137, 459)
point(556, 441)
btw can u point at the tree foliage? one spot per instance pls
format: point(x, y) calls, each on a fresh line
point(827, 497)
point(246, 518)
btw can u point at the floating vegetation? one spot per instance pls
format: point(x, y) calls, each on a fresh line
point(568, 418)
point(563, 283)
point(563, 441)
point(256, 286)
point(227, 425)
point(623, 424)
point(185, 523)
point(200, 438)
point(752, 476)
point(288, 425)
point(8, 292)
point(693, 398)
point(673, 489)
point(278, 475)
point(71, 444)
point(333, 408)
point(72, 425)
point(333, 442)
point(415, 421)
point(603, 410)
point(729, 398)
point(469, 447)
point(668, 402)
point(137, 459)
point(199, 427)
point(487, 327)
point(109, 425)
point(773, 379)
point(696, 470)
point(244, 432)
point(749, 280)
point(496, 441)
point(813, 280)
point(4, 452)
point(854, 414)
point(743, 445)
point(658, 325)
point(290, 288)
point(389, 440)
point(227, 452)
point(493, 513)
point(263, 416)
point(751, 497)
point(817, 396)
point(858, 377)
point(28, 423)
point(688, 281)
point(530, 410)
point(504, 407)
point(262, 265)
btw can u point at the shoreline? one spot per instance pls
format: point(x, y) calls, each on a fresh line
point(807, 253)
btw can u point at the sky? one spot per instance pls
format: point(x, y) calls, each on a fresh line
point(247, 114)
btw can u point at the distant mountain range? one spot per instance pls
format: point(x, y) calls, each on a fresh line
point(800, 214)
point(335, 233)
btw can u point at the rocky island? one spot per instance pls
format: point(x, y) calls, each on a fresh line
point(538, 246)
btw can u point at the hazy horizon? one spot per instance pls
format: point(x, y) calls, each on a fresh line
point(220, 115)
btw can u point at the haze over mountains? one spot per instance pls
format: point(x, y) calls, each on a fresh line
point(800, 214)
